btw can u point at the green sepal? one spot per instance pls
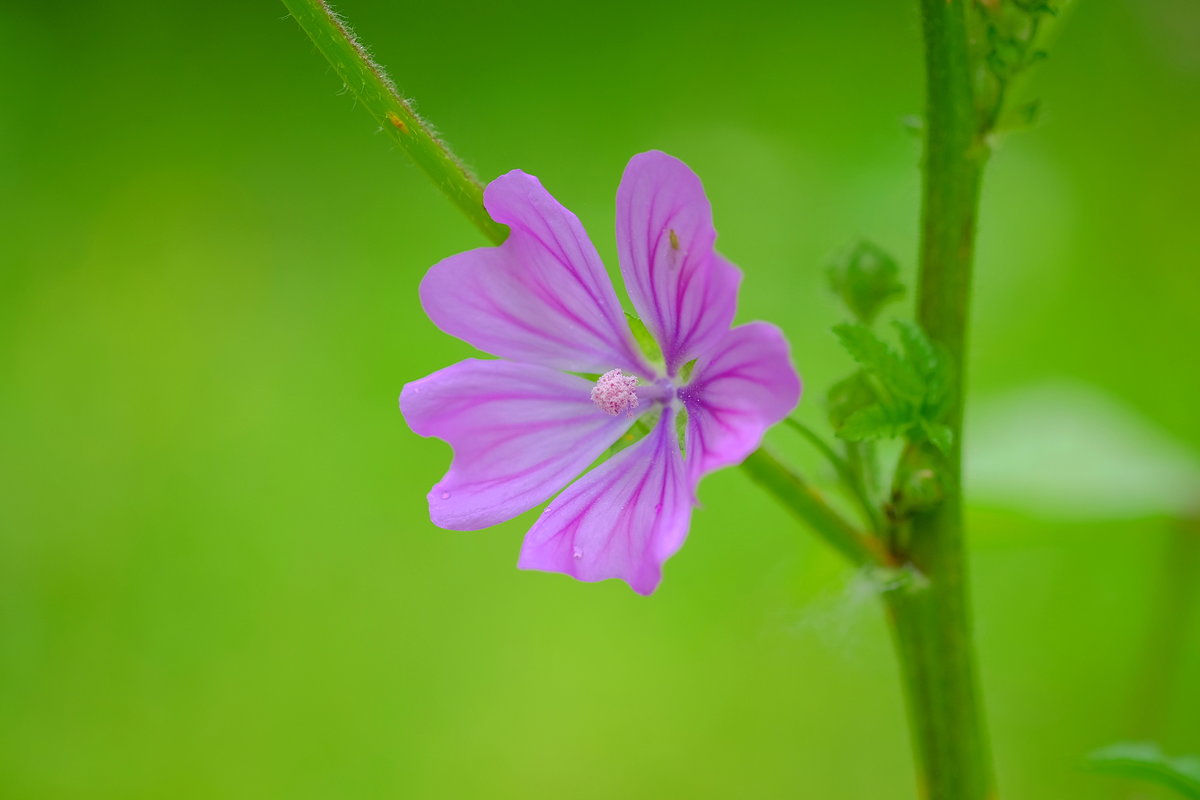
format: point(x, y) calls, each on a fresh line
point(636, 432)
point(643, 337)
point(681, 421)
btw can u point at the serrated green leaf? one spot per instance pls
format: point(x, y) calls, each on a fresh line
point(866, 278)
point(897, 377)
point(1144, 761)
point(643, 337)
point(919, 351)
point(929, 361)
point(875, 422)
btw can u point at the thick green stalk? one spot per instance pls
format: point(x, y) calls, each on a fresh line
point(378, 95)
point(932, 625)
point(1176, 602)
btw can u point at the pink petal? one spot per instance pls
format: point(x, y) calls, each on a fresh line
point(743, 386)
point(621, 520)
point(520, 433)
point(684, 292)
point(542, 297)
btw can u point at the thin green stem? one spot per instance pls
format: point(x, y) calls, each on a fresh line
point(846, 472)
point(932, 626)
point(809, 506)
point(860, 456)
point(378, 95)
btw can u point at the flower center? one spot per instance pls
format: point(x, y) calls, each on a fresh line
point(614, 392)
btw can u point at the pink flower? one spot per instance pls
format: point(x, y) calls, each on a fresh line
point(523, 427)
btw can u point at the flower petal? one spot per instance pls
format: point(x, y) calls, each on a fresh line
point(621, 520)
point(684, 292)
point(520, 433)
point(743, 386)
point(542, 297)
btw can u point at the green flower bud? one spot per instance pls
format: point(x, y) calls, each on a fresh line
point(866, 278)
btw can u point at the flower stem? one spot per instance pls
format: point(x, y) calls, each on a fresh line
point(378, 95)
point(807, 504)
point(852, 480)
point(932, 625)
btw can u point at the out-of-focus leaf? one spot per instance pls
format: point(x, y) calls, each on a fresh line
point(1066, 449)
point(1145, 761)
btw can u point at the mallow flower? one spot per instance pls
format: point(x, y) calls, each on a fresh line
point(571, 381)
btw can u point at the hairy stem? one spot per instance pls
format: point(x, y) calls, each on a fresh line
point(378, 95)
point(932, 625)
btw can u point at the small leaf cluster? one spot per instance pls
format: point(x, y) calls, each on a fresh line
point(1010, 29)
point(896, 393)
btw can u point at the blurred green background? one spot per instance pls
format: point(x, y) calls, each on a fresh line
point(217, 576)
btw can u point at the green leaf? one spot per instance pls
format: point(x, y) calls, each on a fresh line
point(643, 337)
point(849, 395)
point(866, 278)
point(929, 361)
point(919, 351)
point(874, 422)
point(1144, 761)
point(898, 377)
point(938, 434)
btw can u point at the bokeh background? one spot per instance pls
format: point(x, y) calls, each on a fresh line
point(217, 576)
